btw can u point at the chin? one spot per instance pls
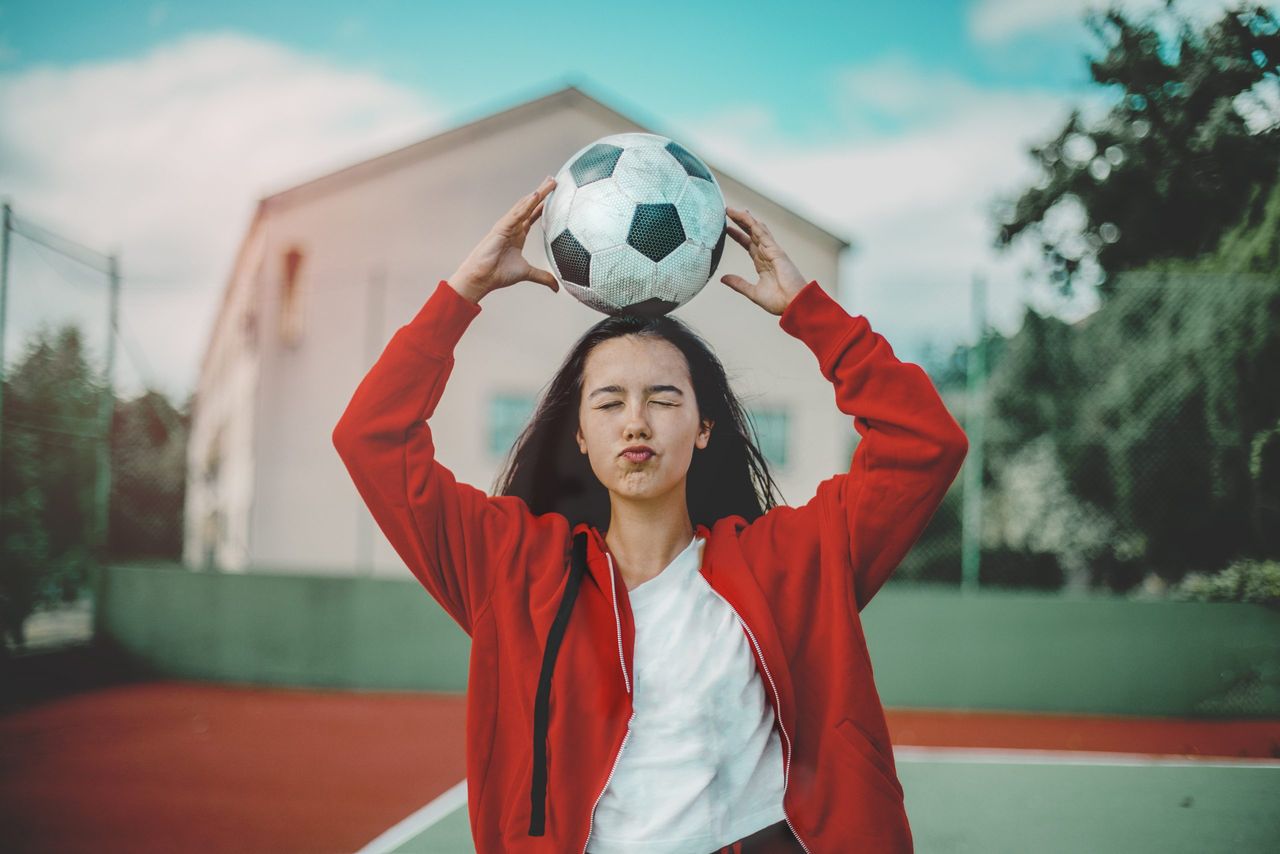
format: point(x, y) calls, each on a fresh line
point(649, 489)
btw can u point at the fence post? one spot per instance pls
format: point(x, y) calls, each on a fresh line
point(975, 413)
point(4, 296)
point(106, 412)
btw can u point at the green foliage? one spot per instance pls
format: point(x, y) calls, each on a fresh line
point(1165, 173)
point(148, 478)
point(1182, 371)
point(1036, 384)
point(1242, 581)
point(48, 462)
point(1264, 471)
point(1163, 408)
point(49, 470)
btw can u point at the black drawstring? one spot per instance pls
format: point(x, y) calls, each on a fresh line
point(538, 792)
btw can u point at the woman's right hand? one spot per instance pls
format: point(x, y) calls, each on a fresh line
point(498, 260)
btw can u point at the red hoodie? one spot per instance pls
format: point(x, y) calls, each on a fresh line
point(538, 599)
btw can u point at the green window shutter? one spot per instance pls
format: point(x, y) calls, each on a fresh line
point(508, 414)
point(772, 426)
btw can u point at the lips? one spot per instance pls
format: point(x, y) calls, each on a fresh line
point(637, 454)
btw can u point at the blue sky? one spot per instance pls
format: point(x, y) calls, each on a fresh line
point(894, 126)
point(672, 60)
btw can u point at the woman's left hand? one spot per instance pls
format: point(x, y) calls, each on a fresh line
point(779, 281)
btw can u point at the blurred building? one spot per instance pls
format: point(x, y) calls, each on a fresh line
point(330, 269)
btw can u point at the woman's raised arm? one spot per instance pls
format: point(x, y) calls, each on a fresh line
point(911, 447)
point(453, 537)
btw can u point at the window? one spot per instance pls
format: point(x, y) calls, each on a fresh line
point(771, 425)
point(291, 299)
point(509, 412)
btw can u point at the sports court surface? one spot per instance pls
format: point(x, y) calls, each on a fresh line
point(182, 766)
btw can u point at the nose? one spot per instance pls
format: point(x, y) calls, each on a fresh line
point(636, 427)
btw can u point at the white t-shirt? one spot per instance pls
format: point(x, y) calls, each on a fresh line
point(702, 766)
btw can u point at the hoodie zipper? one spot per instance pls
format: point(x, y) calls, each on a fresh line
point(592, 818)
point(617, 622)
point(786, 770)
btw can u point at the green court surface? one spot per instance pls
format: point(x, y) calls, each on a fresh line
point(996, 802)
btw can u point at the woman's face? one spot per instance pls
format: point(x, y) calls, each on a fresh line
point(636, 390)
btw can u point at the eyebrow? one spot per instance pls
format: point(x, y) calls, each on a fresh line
point(649, 389)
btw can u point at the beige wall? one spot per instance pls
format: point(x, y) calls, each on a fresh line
point(220, 464)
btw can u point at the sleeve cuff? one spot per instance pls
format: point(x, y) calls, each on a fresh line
point(439, 324)
point(818, 320)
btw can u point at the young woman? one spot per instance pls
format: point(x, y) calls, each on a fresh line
point(662, 660)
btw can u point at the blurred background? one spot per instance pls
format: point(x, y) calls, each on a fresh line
point(216, 216)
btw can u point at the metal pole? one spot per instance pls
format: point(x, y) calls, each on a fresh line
point(4, 298)
point(975, 407)
point(106, 410)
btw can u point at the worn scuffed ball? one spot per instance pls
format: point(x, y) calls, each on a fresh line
point(636, 224)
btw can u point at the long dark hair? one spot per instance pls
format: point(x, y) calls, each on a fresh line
point(728, 477)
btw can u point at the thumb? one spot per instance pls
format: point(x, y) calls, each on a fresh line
point(543, 277)
point(738, 283)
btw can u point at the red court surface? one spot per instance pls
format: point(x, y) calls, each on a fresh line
point(182, 766)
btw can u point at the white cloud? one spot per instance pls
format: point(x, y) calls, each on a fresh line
point(914, 202)
point(163, 157)
point(996, 21)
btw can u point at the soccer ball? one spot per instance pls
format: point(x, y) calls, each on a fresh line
point(636, 224)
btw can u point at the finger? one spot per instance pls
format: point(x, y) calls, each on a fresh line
point(525, 224)
point(521, 209)
point(738, 283)
point(749, 229)
point(754, 226)
point(766, 236)
point(745, 241)
point(736, 233)
point(537, 212)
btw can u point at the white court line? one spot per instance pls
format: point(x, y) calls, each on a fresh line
point(457, 796)
point(1012, 756)
point(419, 821)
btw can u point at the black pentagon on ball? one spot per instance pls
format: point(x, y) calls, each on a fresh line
point(691, 164)
point(715, 253)
point(656, 230)
point(596, 162)
point(651, 307)
point(572, 259)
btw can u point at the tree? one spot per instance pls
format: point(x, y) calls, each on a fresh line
point(148, 478)
point(49, 470)
point(1188, 145)
point(48, 465)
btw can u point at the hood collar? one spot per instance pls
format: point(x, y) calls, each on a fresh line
point(598, 565)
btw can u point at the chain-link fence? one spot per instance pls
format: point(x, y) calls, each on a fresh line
point(86, 475)
point(1125, 451)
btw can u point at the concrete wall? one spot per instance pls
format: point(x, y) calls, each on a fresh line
point(931, 648)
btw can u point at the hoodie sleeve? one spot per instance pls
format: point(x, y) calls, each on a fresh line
point(451, 535)
point(910, 451)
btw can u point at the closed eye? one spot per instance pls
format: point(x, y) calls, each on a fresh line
point(659, 402)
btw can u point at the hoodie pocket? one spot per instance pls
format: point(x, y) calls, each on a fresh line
point(860, 741)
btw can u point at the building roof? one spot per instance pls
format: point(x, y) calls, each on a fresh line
point(571, 95)
point(490, 122)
